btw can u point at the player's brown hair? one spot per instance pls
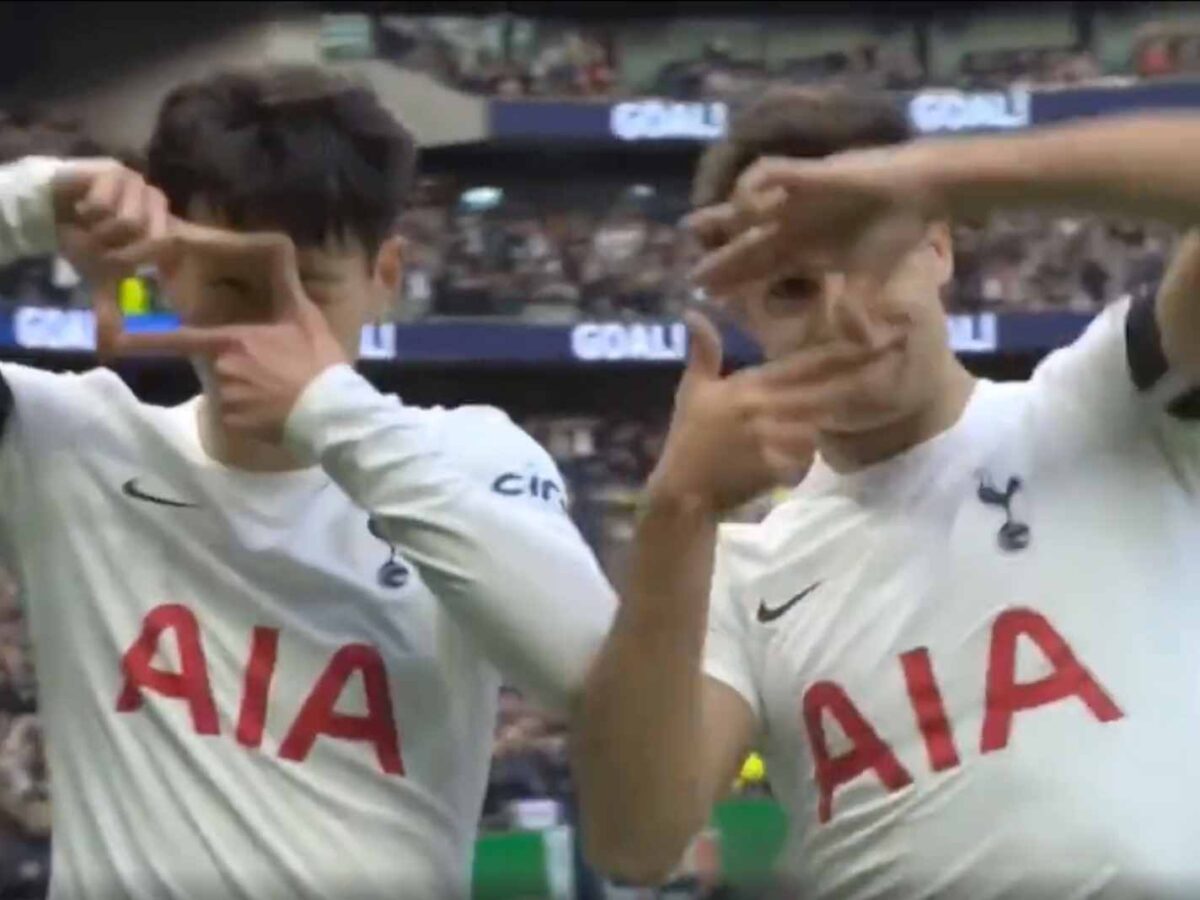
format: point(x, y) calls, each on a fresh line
point(295, 148)
point(807, 123)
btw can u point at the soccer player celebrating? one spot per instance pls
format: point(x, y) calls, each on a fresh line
point(270, 628)
point(967, 641)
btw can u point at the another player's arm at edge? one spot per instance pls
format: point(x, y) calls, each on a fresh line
point(516, 574)
point(658, 741)
point(1140, 167)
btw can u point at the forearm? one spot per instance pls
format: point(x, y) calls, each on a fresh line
point(520, 581)
point(638, 735)
point(1138, 167)
point(26, 208)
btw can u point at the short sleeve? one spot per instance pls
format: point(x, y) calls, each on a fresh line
point(1114, 381)
point(727, 651)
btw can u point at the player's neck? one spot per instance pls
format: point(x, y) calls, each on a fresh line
point(238, 452)
point(850, 452)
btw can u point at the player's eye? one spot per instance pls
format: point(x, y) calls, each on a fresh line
point(796, 287)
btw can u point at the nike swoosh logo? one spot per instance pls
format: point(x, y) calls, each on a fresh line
point(766, 614)
point(131, 489)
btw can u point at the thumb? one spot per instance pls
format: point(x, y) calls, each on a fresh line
point(110, 323)
point(704, 347)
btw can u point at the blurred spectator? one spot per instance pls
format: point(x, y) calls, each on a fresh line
point(529, 763)
point(502, 253)
point(514, 57)
point(24, 790)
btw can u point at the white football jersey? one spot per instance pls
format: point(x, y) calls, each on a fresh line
point(976, 666)
point(252, 687)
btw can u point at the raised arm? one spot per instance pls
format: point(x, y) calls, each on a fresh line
point(657, 740)
point(104, 218)
point(1132, 167)
point(100, 214)
point(670, 707)
point(480, 510)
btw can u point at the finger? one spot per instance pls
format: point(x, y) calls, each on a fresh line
point(704, 346)
point(816, 363)
point(753, 255)
point(110, 323)
point(757, 207)
point(130, 219)
point(183, 342)
point(101, 199)
point(159, 240)
point(75, 179)
point(788, 449)
point(807, 405)
point(713, 225)
point(775, 173)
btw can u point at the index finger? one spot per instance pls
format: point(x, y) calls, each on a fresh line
point(772, 173)
point(712, 225)
point(186, 341)
point(754, 255)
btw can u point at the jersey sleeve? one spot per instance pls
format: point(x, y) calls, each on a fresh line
point(42, 415)
point(26, 208)
point(480, 509)
point(727, 640)
point(1115, 380)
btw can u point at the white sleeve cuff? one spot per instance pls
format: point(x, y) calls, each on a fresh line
point(307, 430)
point(27, 224)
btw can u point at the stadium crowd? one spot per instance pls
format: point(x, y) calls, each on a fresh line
point(513, 58)
point(547, 264)
point(492, 252)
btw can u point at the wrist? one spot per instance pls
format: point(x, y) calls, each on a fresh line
point(667, 495)
point(317, 405)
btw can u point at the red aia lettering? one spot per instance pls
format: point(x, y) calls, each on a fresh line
point(1005, 697)
point(190, 683)
point(264, 645)
point(318, 715)
point(870, 751)
point(926, 700)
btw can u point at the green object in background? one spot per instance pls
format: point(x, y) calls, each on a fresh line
point(509, 865)
point(753, 833)
point(537, 865)
point(524, 865)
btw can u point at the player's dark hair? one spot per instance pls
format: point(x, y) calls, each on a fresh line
point(291, 148)
point(807, 123)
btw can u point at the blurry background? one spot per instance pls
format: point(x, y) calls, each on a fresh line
point(546, 273)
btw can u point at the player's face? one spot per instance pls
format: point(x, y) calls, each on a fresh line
point(798, 313)
point(349, 286)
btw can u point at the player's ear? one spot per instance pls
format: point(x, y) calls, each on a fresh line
point(389, 270)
